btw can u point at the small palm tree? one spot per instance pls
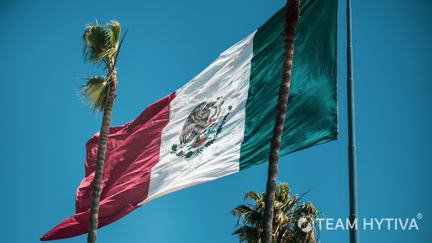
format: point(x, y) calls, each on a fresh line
point(287, 212)
point(101, 46)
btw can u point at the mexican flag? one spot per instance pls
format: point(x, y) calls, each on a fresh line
point(221, 121)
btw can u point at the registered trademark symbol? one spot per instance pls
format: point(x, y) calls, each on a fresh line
point(419, 216)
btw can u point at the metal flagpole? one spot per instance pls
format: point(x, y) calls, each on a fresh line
point(352, 163)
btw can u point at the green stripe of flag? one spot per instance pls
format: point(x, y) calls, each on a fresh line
point(312, 107)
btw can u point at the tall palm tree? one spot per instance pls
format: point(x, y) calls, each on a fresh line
point(287, 212)
point(292, 16)
point(101, 46)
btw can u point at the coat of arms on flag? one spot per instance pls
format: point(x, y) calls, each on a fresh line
point(201, 128)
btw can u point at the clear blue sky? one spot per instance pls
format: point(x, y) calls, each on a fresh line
point(45, 126)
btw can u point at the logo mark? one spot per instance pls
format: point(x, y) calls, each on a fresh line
point(304, 224)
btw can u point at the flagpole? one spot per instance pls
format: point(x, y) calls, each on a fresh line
point(352, 161)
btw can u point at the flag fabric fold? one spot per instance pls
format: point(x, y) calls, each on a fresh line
point(220, 122)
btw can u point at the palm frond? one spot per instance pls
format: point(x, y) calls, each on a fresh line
point(248, 234)
point(95, 92)
point(115, 28)
point(248, 214)
point(282, 192)
point(258, 198)
point(101, 42)
point(307, 209)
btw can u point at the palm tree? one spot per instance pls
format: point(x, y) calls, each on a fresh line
point(292, 16)
point(287, 212)
point(101, 46)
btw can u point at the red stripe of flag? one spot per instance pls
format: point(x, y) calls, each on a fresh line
point(132, 151)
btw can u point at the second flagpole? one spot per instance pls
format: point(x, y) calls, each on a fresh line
point(352, 160)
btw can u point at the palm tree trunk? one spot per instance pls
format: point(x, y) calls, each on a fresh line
point(291, 18)
point(100, 159)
